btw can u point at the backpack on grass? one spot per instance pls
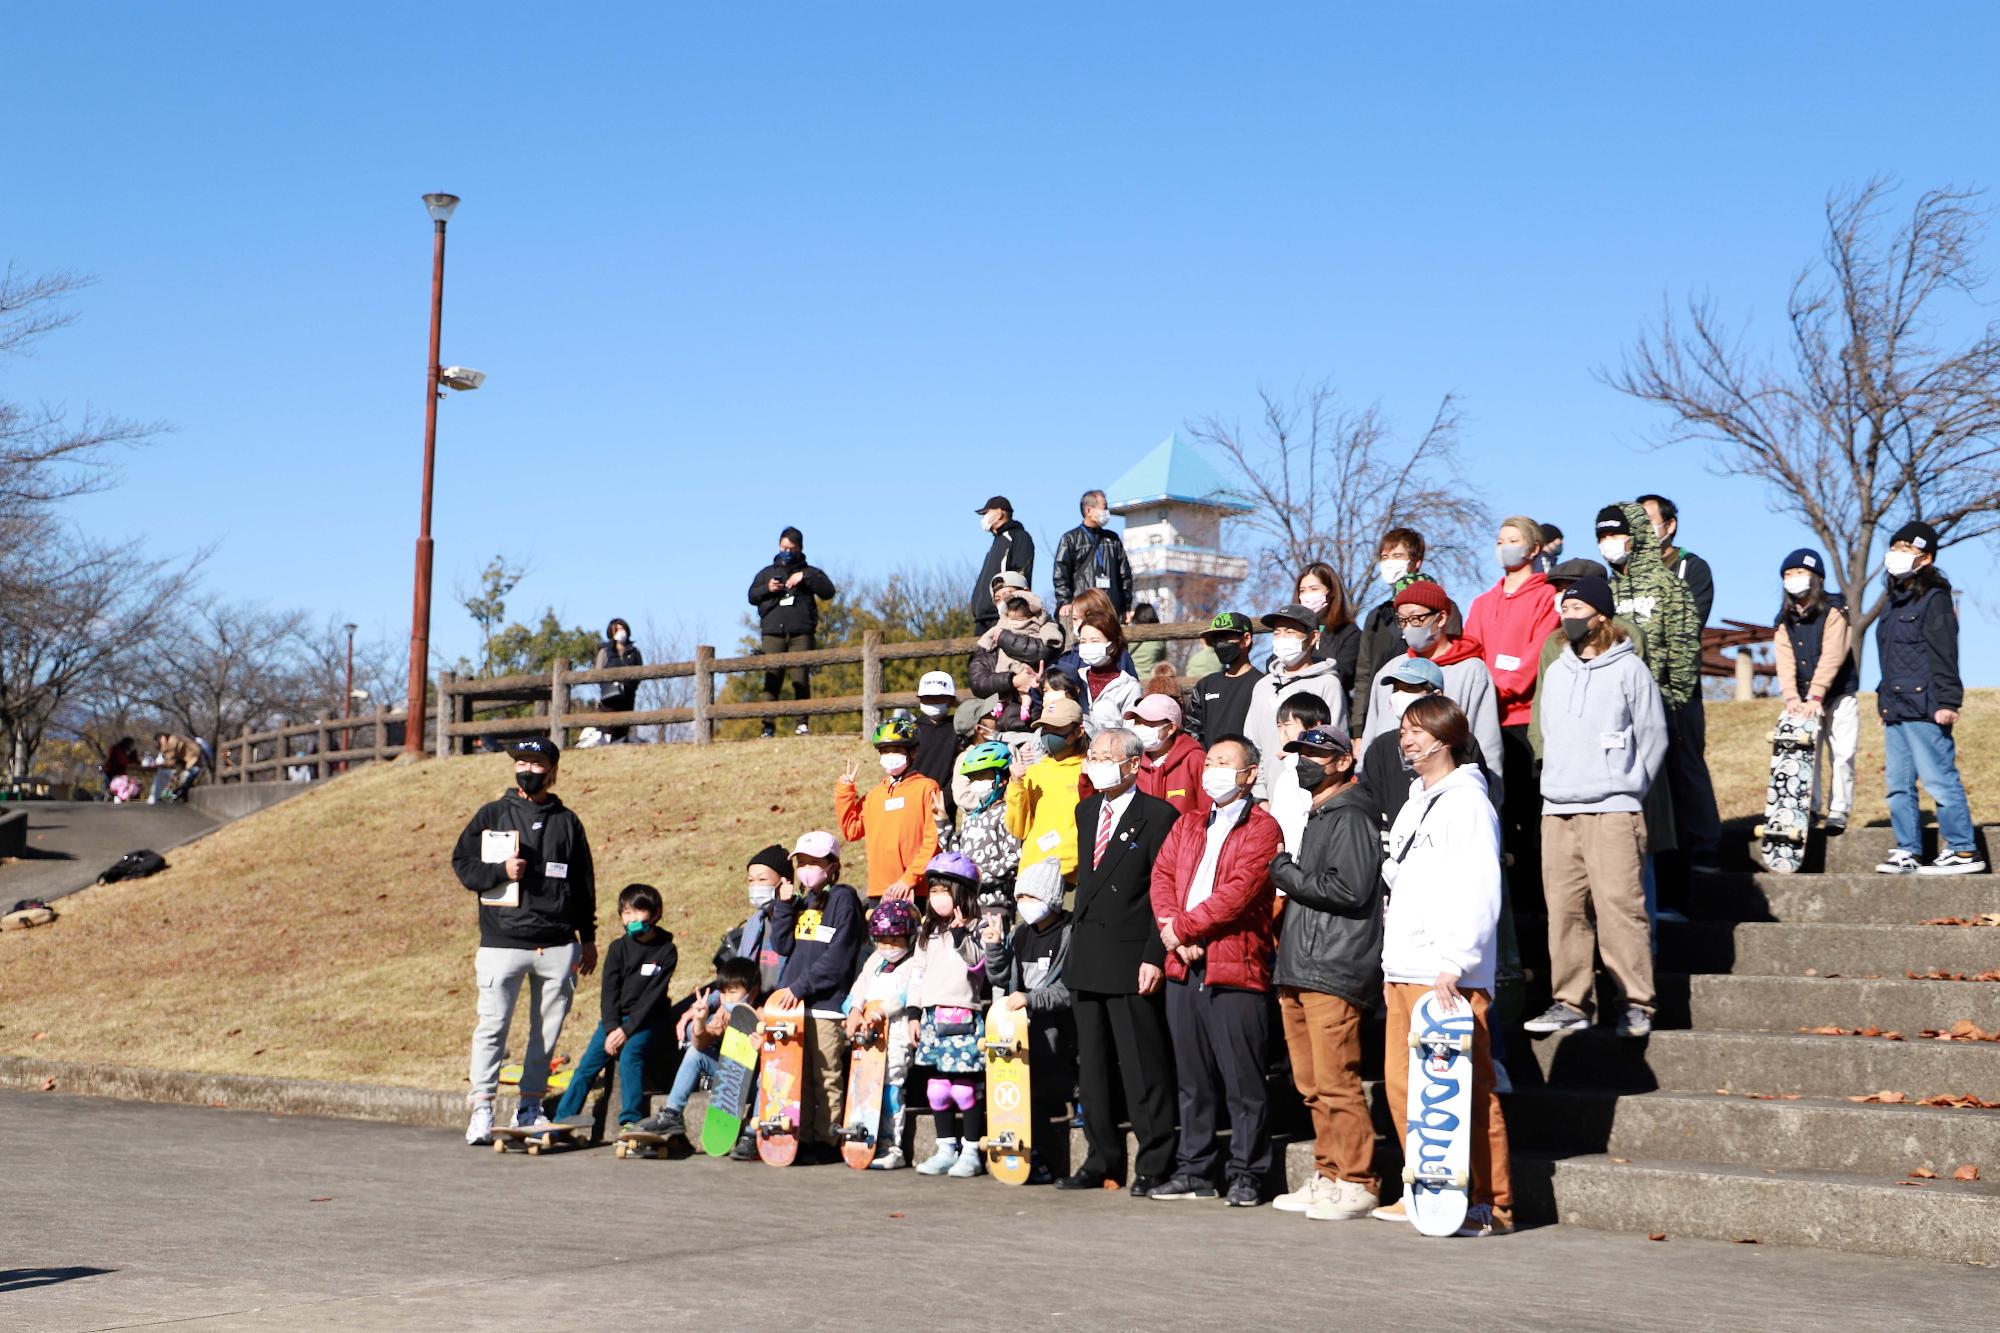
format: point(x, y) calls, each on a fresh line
point(134, 865)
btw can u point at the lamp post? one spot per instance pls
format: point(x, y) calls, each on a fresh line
point(347, 701)
point(440, 206)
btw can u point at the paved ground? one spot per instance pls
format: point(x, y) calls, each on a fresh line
point(123, 1215)
point(71, 842)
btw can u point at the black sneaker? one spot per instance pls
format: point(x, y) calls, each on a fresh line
point(1041, 1175)
point(745, 1149)
point(770, 731)
point(1181, 1187)
point(1243, 1193)
point(1084, 1180)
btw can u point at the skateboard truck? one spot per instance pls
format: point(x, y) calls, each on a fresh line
point(1462, 1044)
point(1455, 1179)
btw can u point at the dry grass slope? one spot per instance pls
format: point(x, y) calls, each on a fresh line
point(326, 937)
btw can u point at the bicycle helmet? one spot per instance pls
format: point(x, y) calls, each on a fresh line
point(892, 916)
point(953, 865)
point(983, 758)
point(896, 731)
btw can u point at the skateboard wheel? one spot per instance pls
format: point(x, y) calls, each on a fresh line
point(500, 1145)
point(1409, 1175)
point(1461, 1180)
point(1414, 1043)
point(1465, 1045)
point(618, 1150)
point(534, 1150)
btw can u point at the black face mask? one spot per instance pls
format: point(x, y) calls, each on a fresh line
point(530, 781)
point(1229, 654)
point(1576, 631)
point(790, 557)
point(1312, 773)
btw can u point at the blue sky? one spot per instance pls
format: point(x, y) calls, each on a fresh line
point(857, 267)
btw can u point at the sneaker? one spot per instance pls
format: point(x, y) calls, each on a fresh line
point(971, 1162)
point(1834, 824)
point(745, 1149)
point(892, 1160)
point(802, 730)
point(769, 733)
point(1346, 1200)
point(941, 1161)
point(1898, 862)
point(665, 1122)
point(1636, 1023)
point(529, 1115)
point(1039, 1174)
point(1243, 1193)
point(1485, 1219)
point(1184, 1187)
point(1954, 863)
point(1301, 1200)
point(1391, 1212)
point(479, 1129)
point(1559, 1017)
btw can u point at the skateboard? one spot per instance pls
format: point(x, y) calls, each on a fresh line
point(734, 1083)
point(549, 1137)
point(1010, 1125)
point(559, 1077)
point(640, 1143)
point(778, 1082)
point(1437, 1147)
point(1788, 800)
point(866, 1068)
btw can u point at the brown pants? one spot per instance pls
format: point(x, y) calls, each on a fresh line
point(1323, 1036)
point(825, 1081)
point(1594, 863)
point(1491, 1181)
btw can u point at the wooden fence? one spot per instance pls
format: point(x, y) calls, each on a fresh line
point(326, 746)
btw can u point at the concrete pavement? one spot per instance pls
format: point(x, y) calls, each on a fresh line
point(70, 843)
point(124, 1214)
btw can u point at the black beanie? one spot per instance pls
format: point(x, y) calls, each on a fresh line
point(773, 858)
point(1918, 534)
point(1594, 593)
point(1613, 521)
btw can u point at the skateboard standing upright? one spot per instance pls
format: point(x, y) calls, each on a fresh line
point(1788, 800)
point(778, 1084)
point(1010, 1122)
point(735, 1083)
point(866, 1068)
point(1437, 1146)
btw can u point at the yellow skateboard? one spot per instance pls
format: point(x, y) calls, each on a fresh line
point(1009, 1122)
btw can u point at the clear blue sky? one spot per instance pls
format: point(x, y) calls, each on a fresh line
point(856, 267)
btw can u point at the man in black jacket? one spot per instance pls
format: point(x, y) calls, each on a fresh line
point(1115, 967)
point(1091, 555)
point(1220, 702)
point(786, 593)
point(1011, 548)
point(1329, 973)
point(537, 923)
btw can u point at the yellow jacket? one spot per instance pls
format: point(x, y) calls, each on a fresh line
point(1041, 811)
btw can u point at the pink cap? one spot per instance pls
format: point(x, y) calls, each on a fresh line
point(816, 844)
point(1156, 708)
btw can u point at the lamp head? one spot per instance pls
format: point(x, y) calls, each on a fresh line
point(463, 378)
point(441, 205)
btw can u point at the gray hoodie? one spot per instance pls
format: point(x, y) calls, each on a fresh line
point(1260, 725)
point(1604, 732)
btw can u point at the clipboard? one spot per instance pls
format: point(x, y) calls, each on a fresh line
point(497, 847)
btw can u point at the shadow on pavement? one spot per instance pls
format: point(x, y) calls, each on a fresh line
point(20, 1279)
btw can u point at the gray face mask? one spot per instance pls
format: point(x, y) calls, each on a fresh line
point(1420, 637)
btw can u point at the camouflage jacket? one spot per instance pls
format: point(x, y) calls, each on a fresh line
point(1648, 594)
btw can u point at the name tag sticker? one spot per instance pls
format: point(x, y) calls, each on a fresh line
point(1612, 740)
point(893, 803)
point(1049, 841)
point(823, 934)
point(1506, 663)
point(648, 969)
point(1104, 580)
point(556, 870)
point(787, 600)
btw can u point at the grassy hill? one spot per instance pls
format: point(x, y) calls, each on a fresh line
point(327, 938)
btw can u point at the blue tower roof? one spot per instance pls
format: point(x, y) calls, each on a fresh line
point(1174, 471)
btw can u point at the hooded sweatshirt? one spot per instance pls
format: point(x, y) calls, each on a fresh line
point(896, 820)
point(1443, 874)
point(1510, 627)
point(1275, 686)
point(1604, 732)
point(1174, 775)
point(1659, 603)
point(1468, 684)
point(558, 891)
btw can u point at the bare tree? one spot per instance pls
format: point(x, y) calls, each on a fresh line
point(380, 668)
point(1866, 415)
point(1323, 482)
point(221, 667)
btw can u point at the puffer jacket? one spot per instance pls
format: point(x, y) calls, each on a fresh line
point(793, 610)
point(1330, 933)
point(1233, 925)
point(1013, 645)
point(1647, 592)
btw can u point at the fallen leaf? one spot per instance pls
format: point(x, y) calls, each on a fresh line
point(1913, 1182)
point(1622, 1161)
point(320, 1198)
point(1656, 1235)
point(1812, 971)
point(1892, 1098)
point(1892, 1036)
point(1966, 1172)
point(897, 1215)
point(1870, 1031)
point(1924, 1173)
point(219, 1106)
point(1746, 1240)
point(40, 1035)
point(48, 1085)
point(1825, 1032)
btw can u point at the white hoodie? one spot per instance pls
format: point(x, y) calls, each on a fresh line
point(1443, 874)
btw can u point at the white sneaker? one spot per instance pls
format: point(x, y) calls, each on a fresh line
point(1302, 1199)
point(941, 1161)
point(1346, 1200)
point(479, 1129)
point(1954, 863)
point(892, 1160)
point(971, 1162)
point(1898, 862)
point(529, 1115)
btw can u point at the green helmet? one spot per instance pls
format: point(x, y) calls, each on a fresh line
point(896, 731)
point(983, 758)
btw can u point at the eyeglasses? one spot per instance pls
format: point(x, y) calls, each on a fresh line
point(1410, 622)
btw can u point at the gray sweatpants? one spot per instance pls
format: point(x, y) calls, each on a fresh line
point(551, 976)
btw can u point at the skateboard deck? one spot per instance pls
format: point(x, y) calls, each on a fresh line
point(640, 1143)
point(866, 1068)
point(1437, 1147)
point(778, 1084)
point(1788, 798)
point(535, 1141)
point(734, 1084)
point(559, 1077)
point(1010, 1125)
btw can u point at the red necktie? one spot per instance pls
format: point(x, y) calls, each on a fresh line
point(1104, 822)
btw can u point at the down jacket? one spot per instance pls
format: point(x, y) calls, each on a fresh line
point(1233, 926)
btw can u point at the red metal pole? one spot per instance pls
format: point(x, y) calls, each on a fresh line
point(420, 611)
point(347, 701)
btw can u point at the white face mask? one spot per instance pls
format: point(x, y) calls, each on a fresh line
point(1313, 601)
point(1092, 652)
point(1032, 910)
point(977, 792)
point(893, 953)
point(1220, 784)
point(932, 710)
point(893, 764)
point(1150, 737)
point(1559, 601)
point(761, 894)
point(1797, 584)
point(1899, 563)
point(1616, 550)
point(620, 636)
point(1287, 648)
point(1104, 774)
point(1420, 637)
point(1401, 701)
point(1512, 555)
point(1391, 570)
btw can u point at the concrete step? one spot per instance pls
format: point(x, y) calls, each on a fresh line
point(1861, 848)
point(1862, 899)
point(1786, 1004)
point(1790, 948)
point(1772, 1062)
point(1946, 1220)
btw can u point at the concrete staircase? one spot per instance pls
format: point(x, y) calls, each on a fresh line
point(1731, 1123)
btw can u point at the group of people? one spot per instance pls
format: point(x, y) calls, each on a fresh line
point(176, 763)
point(1178, 885)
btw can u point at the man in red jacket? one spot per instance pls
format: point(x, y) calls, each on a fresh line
point(1212, 895)
point(1511, 620)
point(1171, 768)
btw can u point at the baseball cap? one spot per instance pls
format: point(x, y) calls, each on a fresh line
point(818, 843)
point(1325, 738)
point(1294, 613)
point(937, 682)
point(997, 502)
point(1156, 708)
point(535, 747)
point(1010, 578)
point(1417, 671)
point(1061, 711)
point(1569, 571)
point(1918, 534)
point(1803, 558)
point(1229, 622)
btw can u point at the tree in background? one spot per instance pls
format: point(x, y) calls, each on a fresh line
point(488, 606)
point(1869, 415)
point(1324, 481)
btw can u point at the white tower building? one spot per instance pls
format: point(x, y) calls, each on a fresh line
point(1173, 503)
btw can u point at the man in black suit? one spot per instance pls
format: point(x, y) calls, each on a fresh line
point(1114, 972)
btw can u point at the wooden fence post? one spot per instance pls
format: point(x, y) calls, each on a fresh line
point(446, 711)
point(871, 681)
point(1746, 675)
point(558, 701)
point(322, 769)
point(704, 693)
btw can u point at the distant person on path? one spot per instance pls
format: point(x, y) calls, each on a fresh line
point(1510, 621)
point(787, 594)
point(1320, 591)
point(1011, 548)
point(1399, 563)
point(537, 923)
point(1916, 641)
point(1090, 555)
point(120, 762)
point(1814, 652)
point(183, 760)
point(1220, 702)
point(620, 696)
point(1687, 759)
point(633, 1006)
point(897, 819)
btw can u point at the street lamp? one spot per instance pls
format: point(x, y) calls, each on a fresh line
point(440, 207)
point(347, 700)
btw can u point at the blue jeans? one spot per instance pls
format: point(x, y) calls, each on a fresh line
point(1925, 751)
point(631, 1077)
point(695, 1062)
